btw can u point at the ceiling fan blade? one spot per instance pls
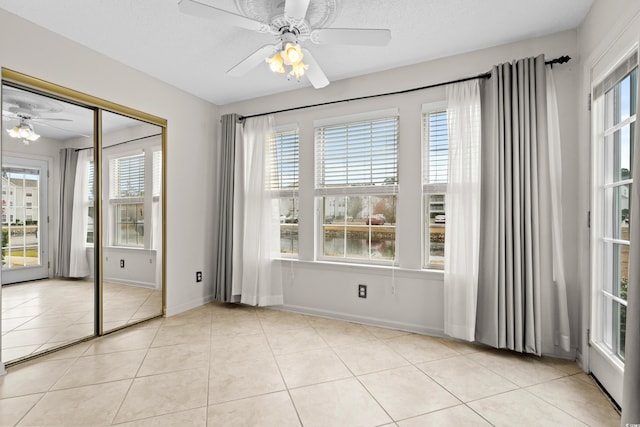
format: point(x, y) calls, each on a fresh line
point(351, 36)
point(314, 73)
point(252, 60)
point(49, 119)
point(296, 9)
point(71, 132)
point(201, 10)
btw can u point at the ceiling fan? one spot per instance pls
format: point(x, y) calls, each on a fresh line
point(24, 107)
point(290, 28)
point(24, 129)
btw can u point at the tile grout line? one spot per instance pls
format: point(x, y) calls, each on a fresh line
point(209, 363)
point(546, 401)
point(30, 409)
point(361, 384)
point(115, 415)
point(275, 358)
point(526, 389)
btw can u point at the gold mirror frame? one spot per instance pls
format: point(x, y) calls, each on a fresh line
point(98, 105)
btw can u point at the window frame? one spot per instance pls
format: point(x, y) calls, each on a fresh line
point(147, 199)
point(321, 193)
point(117, 201)
point(605, 259)
point(292, 193)
point(430, 188)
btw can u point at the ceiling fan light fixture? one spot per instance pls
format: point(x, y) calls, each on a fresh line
point(298, 69)
point(23, 131)
point(276, 63)
point(14, 133)
point(292, 53)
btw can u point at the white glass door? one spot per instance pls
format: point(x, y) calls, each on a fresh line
point(614, 123)
point(24, 220)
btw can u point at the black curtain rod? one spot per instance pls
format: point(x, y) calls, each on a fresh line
point(560, 60)
point(123, 142)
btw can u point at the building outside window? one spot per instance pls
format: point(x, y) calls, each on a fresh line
point(435, 137)
point(357, 185)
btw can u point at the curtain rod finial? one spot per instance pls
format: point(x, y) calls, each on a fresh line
point(561, 60)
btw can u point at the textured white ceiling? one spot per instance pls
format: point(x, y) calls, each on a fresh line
point(194, 54)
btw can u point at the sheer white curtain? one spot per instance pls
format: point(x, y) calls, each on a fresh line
point(557, 333)
point(260, 217)
point(238, 212)
point(156, 239)
point(78, 263)
point(462, 209)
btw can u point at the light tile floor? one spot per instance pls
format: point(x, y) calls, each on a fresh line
point(226, 365)
point(39, 315)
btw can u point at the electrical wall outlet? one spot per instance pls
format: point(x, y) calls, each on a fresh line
point(362, 291)
point(198, 276)
point(121, 263)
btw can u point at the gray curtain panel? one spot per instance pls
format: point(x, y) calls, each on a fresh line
point(222, 285)
point(515, 253)
point(68, 165)
point(631, 382)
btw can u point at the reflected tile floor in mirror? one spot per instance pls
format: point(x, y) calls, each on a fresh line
point(43, 314)
point(220, 365)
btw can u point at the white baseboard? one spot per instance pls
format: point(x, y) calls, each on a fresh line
point(365, 320)
point(148, 285)
point(177, 309)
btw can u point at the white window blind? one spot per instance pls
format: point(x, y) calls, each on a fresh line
point(90, 183)
point(436, 149)
point(359, 157)
point(157, 174)
point(127, 177)
point(285, 162)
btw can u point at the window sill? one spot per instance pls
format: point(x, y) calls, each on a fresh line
point(122, 248)
point(426, 274)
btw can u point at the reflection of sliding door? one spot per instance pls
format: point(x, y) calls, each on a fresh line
point(24, 220)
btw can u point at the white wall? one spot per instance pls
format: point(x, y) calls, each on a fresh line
point(408, 298)
point(192, 129)
point(609, 26)
point(139, 266)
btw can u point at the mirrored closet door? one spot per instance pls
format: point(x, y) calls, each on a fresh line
point(131, 220)
point(82, 216)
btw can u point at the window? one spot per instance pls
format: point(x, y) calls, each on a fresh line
point(127, 198)
point(284, 181)
point(615, 108)
point(356, 185)
point(435, 138)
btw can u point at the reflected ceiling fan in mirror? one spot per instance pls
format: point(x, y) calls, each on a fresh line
point(292, 22)
point(24, 131)
point(24, 108)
